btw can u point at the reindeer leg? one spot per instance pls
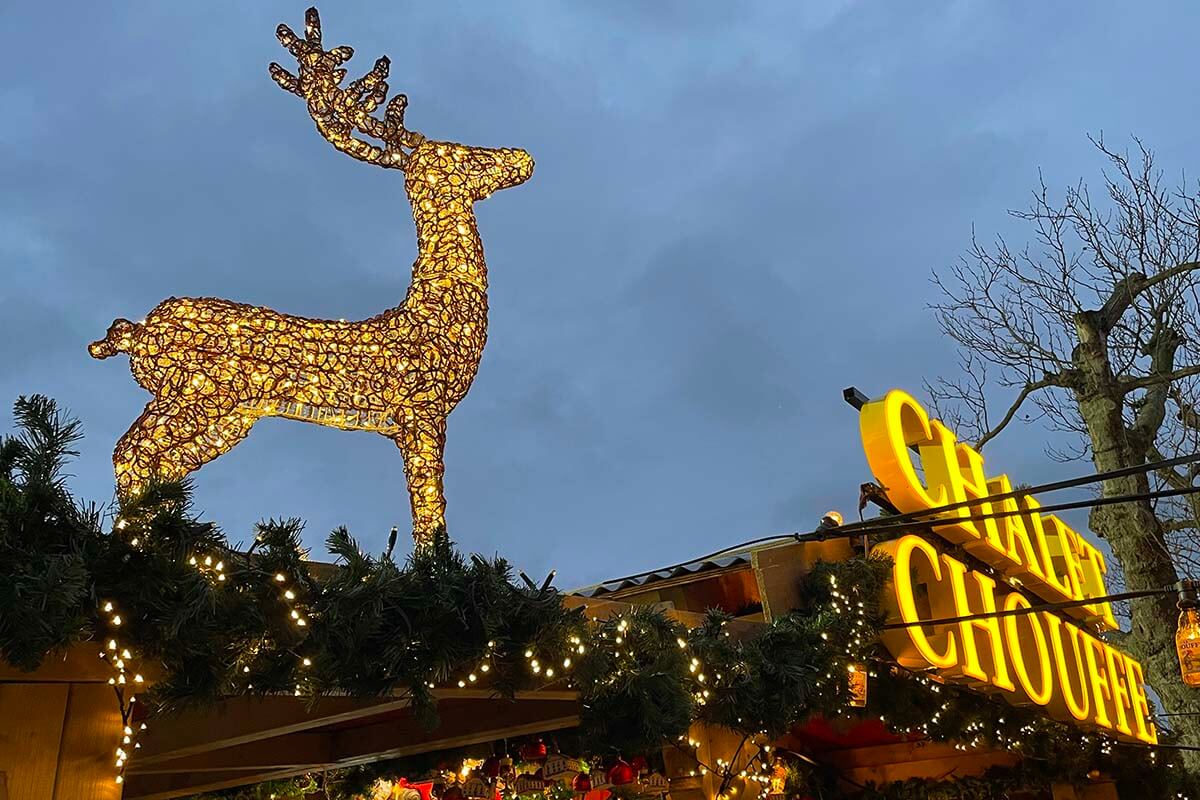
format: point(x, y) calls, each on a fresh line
point(221, 435)
point(172, 438)
point(138, 456)
point(422, 443)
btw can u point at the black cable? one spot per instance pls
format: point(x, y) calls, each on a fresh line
point(1157, 746)
point(1013, 612)
point(886, 523)
point(1055, 486)
point(904, 522)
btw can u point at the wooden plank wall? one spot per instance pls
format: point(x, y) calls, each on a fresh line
point(57, 741)
point(1101, 791)
point(33, 715)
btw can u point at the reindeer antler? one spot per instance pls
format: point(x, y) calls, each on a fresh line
point(339, 111)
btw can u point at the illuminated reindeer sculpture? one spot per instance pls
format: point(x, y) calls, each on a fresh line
point(216, 367)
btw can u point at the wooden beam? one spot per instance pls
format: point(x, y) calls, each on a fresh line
point(462, 726)
point(239, 721)
point(306, 750)
point(778, 569)
point(465, 740)
point(242, 720)
point(177, 784)
point(897, 762)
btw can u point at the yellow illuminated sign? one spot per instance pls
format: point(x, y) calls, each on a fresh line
point(1037, 658)
point(1039, 551)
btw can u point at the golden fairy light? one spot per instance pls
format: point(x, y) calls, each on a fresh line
point(216, 367)
point(126, 682)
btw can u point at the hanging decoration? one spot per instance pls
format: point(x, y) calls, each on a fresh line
point(560, 768)
point(857, 678)
point(534, 751)
point(126, 683)
point(598, 779)
point(778, 779)
point(476, 787)
point(621, 773)
point(216, 367)
point(528, 783)
point(1187, 633)
point(581, 783)
point(654, 785)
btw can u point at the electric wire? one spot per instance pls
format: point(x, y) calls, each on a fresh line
point(1013, 612)
point(892, 523)
point(1054, 486)
point(886, 523)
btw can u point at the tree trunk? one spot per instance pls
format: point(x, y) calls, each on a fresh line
point(1134, 533)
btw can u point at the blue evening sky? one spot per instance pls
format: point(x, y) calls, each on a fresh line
point(735, 213)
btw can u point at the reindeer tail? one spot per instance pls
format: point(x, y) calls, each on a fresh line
point(119, 339)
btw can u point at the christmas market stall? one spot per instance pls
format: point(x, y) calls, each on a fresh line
point(891, 658)
point(958, 641)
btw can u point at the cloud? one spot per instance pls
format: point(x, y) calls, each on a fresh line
point(734, 215)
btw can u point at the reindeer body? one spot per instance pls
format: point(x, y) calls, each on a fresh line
point(215, 367)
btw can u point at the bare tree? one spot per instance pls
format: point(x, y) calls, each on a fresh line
point(1093, 328)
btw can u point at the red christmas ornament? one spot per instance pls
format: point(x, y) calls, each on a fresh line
point(533, 751)
point(491, 767)
point(639, 764)
point(621, 773)
point(582, 783)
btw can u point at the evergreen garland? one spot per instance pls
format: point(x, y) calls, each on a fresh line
point(633, 677)
point(44, 560)
point(215, 622)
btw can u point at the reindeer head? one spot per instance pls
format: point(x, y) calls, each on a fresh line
point(448, 169)
point(438, 168)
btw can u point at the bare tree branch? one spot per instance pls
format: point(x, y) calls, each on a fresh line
point(1188, 415)
point(1029, 388)
point(1147, 381)
point(1088, 323)
point(1152, 407)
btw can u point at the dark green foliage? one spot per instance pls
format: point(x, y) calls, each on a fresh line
point(47, 540)
point(764, 683)
point(635, 684)
point(796, 665)
point(438, 619)
point(371, 627)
